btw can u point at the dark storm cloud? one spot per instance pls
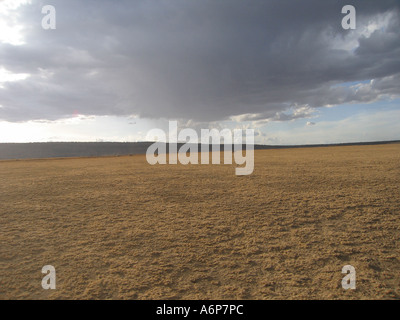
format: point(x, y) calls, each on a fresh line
point(203, 60)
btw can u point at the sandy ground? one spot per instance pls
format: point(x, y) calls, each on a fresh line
point(118, 228)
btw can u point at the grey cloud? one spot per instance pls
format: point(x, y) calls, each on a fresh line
point(203, 60)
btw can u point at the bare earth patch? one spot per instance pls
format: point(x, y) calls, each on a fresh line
point(118, 228)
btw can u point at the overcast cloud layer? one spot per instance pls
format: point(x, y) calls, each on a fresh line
point(203, 60)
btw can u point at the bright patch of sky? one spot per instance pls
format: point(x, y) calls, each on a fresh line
point(345, 123)
point(11, 30)
point(365, 29)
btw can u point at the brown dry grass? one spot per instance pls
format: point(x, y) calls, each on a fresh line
point(120, 228)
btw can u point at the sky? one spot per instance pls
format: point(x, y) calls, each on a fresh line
point(113, 70)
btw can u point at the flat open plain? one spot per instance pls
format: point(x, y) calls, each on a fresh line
point(118, 228)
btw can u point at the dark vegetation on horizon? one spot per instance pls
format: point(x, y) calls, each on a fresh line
point(98, 149)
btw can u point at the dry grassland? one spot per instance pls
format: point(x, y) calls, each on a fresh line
point(118, 228)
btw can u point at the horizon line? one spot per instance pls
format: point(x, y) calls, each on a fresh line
point(255, 144)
